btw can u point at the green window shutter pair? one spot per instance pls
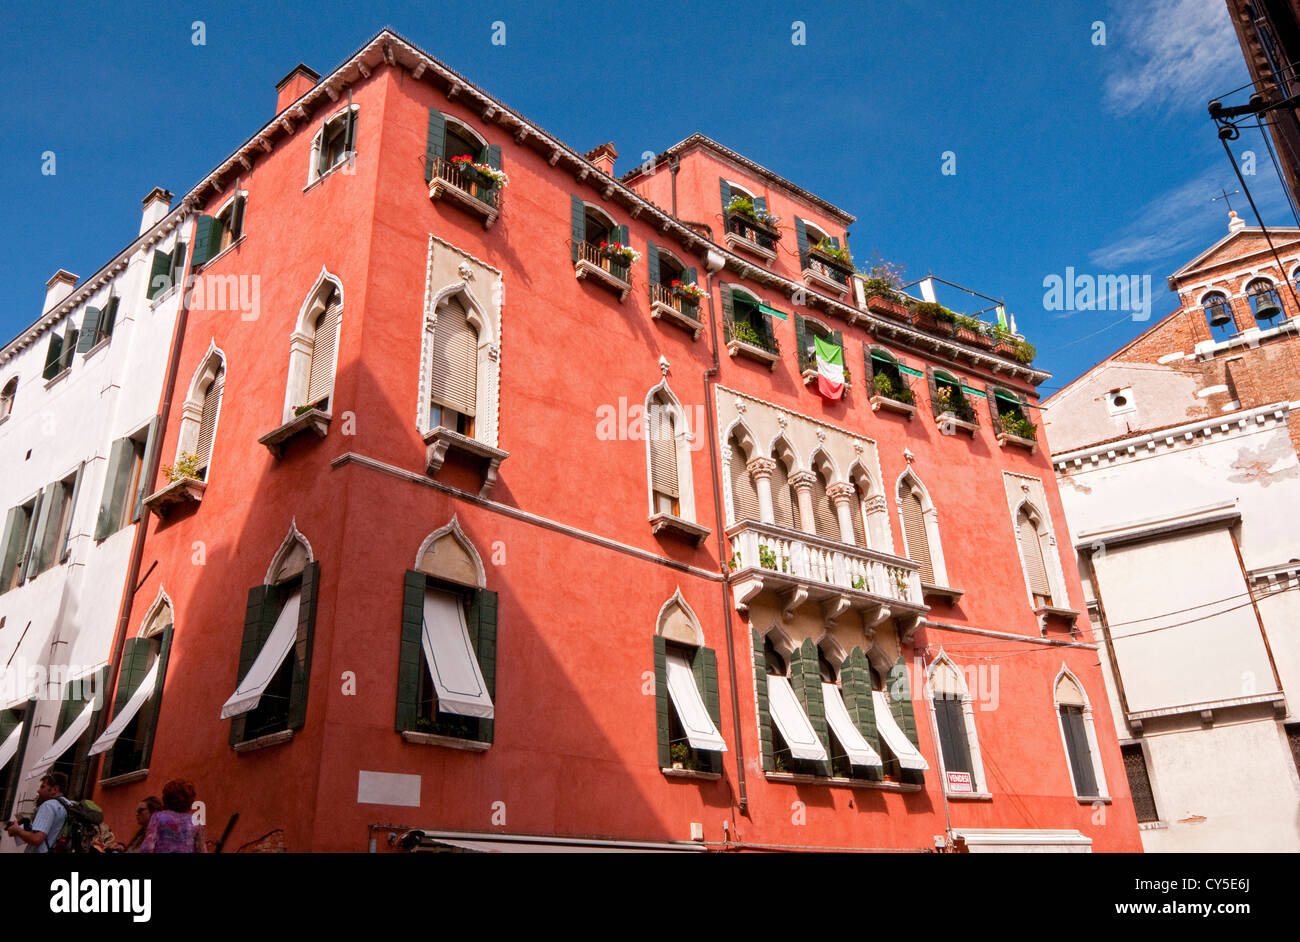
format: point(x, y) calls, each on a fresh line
point(259, 619)
point(728, 311)
point(764, 712)
point(1076, 744)
point(801, 236)
point(69, 349)
point(435, 142)
point(301, 652)
point(26, 559)
point(158, 274)
point(652, 261)
point(11, 775)
point(109, 317)
point(806, 680)
point(45, 547)
point(726, 194)
point(662, 724)
point(855, 687)
point(483, 614)
point(807, 359)
point(146, 469)
point(52, 356)
point(951, 720)
point(90, 330)
point(13, 544)
point(577, 225)
point(207, 237)
point(118, 472)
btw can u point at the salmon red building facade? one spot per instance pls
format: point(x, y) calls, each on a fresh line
point(507, 492)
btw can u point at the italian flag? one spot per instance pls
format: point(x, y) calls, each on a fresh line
point(830, 369)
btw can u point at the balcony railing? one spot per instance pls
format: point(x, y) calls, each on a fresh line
point(775, 558)
point(595, 255)
point(464, 185)
point(828, 267)
point(751, 230)
point(663, 294)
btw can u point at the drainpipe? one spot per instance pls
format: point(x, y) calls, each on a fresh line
point(673, 166)
point(713, 263)
point(137, 542)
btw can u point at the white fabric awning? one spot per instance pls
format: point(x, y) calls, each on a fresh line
point(685, 694)
point(453, 666)
point(249, 692)
point(837, 714)
point(894, 737)
point(9, 748)
point(61, 745)
point(791, 720)
point(127, 713)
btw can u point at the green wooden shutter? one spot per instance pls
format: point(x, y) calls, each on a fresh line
point(410, 659)
point(150, 731)
point(46, 546)
point(934, 391)
point(801, 343)
point(995, 415)
point(494, 156)
point(52, 356)
point(728, 311)
point(89, 329)
point(237, 218)
point(259, 619)
point(662, 724)
point(577, 224)
point(16, 763)
point(652, 260)
point(951, 720)
point(146, 469)
point(207, 236)
point(158, 281)
point(760, 695)
point(1076, 742)
point(806, 680)
point(350, 133)
point(705, 667)
point(302, 646)
point(483, 621)
point(132, 670)
point(801, 236)
point(624, 235)
point(899, 688)
point(178, 263)
point(115, 478)
point(69, 349)
point(109, 318)
point(835, 241)
point(690, 276)
point(726, 194)
point(435, 142)
point(31, 542)
point(855, 687)
point(12, 546)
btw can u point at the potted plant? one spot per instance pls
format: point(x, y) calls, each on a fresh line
point(884, 385)
point(1016, 424)
point(766, 558)
point(880, 285)
point(686, 290)
point(1024, 351)
point(830, 250)
point(745, 331)
point(620, 253)
point(744, 206)
point(186, 468)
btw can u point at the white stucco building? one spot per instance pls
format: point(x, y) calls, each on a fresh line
point(79, 392)
point(1177, 462)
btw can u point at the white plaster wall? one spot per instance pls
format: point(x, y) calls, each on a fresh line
point(1078, 415)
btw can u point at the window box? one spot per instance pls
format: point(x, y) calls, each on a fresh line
point(952, 420)
point(1050, 614)
point(469, 189)
point(126, 778)
point(975, 337)
point(684, 528)
point(666, 305)
point(313, 419)
point(892, 405)
point(440, 440)
point(950, 595)
point(594, 263)
point(176, 494)
point(887, 307)
point(450, 742)
point(738, 347)
point(1006, 438)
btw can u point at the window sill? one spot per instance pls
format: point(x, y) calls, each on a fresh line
point(666, 312)
point(450, 742)
point(583, 268)
point(1153, 825)
point(175, 494)
point(737, 347)
point(313, 419)
point(893, 405)
point(264, 742)
point(949, 420)
point(685, 528)
point(692, 774)
point(817, 279)
point(228, 248)
point(337, 168)
point(57, 377)
point(1048, 612)
point(1006, 438)
point(735, 241)
point(1098, 799)
point(99, 345)
point(156, 302)
point(488, 213)
point(796, 778)
point(441, 440)
point(969, 796)
point(947, 593)
point(126, 778)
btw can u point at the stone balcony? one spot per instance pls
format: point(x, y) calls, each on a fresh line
point(803, 567)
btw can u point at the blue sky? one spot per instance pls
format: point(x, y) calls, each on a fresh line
point(1068, 153)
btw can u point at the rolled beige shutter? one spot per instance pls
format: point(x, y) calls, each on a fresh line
point(783, 513)
point(320, 379)
point(208, 419)
point(1032, 552)
point(455, 360)
point(744, 498)
point(663, 449)
point(825, 519)
point(918, 541)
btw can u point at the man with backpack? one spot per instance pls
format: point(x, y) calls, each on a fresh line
point(47, 826)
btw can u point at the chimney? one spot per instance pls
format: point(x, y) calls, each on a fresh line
point(156, 206)
point(294, 85)
point(603, 157)
point(58, 288)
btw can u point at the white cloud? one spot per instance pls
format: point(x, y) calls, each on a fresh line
point(1171, 53)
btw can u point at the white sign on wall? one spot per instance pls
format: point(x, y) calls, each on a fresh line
point(959, 782)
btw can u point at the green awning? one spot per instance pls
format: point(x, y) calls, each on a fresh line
point(771, 311)
point(909, 371)
point(973, 392)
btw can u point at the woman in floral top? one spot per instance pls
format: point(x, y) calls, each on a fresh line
point(172, 830)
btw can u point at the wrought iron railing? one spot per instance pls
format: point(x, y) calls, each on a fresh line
point(604, 260)
point(468, 180)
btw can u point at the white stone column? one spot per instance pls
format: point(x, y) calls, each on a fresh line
point(300, 344)
point(802, 482)
point(760, 471)
point(842, 494)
